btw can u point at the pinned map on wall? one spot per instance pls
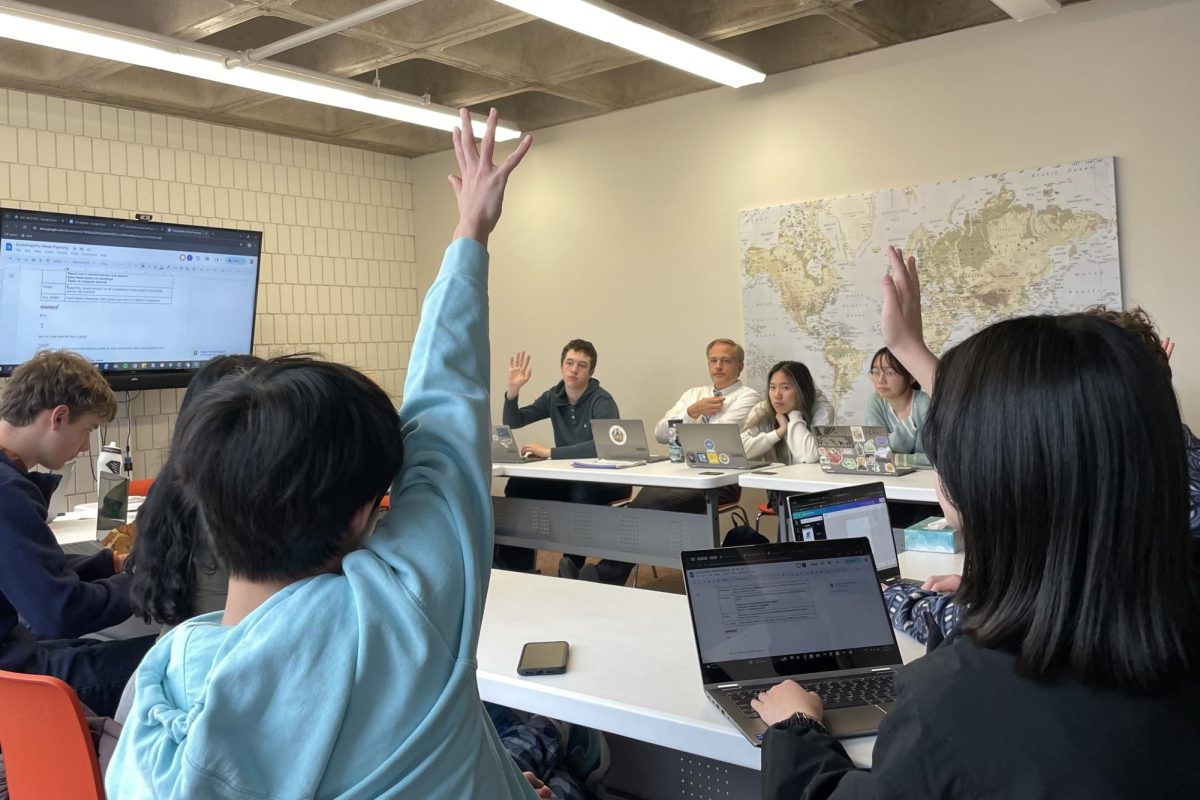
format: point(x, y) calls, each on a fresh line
point(1031, 241)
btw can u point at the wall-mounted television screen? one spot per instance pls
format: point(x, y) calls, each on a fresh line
point(147, 302)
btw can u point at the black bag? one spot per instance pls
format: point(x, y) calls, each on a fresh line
point(741, 533)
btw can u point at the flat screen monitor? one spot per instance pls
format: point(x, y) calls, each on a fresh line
point(147, 302)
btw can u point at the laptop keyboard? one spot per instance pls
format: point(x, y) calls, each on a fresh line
point(834, 692)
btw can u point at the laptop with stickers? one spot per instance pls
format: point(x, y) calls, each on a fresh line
point(505, 449)
point(715, 446)
point(856, 450)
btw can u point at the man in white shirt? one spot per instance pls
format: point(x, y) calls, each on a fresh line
point(724, 400)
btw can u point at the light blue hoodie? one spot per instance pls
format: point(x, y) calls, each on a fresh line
point(359, 685)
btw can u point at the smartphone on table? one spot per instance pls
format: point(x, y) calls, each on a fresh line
point(543, 658)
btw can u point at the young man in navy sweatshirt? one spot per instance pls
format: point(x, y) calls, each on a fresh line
point(48, 408)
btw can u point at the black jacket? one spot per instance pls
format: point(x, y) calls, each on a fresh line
point(966, 725)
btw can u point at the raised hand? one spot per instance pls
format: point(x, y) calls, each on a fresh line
point(519, 373)
point(480, 184)
point(903, 332)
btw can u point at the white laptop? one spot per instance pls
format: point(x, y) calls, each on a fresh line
point(715, 446)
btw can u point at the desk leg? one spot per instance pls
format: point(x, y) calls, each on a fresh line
point(712, 507)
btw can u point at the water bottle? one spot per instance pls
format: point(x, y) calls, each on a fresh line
point(674, 451)
point(109, 459)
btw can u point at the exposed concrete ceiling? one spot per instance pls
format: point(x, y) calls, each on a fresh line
point(476, 53)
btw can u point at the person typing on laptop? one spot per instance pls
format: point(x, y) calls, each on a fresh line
point(1057, 446)
point(570, 405)
point(48, 408)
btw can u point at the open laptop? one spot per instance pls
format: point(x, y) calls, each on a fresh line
point(505, 449)
point(808, 611)
point(112, 511)
point(714, 446)
point(622, 440)
point(856, 450)
point(843, 514)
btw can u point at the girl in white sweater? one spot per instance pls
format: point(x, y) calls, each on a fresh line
point(779, 428)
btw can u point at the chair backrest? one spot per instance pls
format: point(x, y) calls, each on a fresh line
point(47, 746)
point(140, 487)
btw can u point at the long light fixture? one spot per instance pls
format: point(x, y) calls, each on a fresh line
point(618, 27)
point(33, 25)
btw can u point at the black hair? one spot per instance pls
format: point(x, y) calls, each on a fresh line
point(279, 460)
point(168, 524)
point(799, 375)
point(894, 363)
point(1059, 441)
point(580, 346)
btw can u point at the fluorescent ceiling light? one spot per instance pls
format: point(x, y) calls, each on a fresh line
point(631, 32)
point(25, 23)
point(1021, 10)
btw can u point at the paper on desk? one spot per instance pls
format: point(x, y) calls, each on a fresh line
point(602, 463)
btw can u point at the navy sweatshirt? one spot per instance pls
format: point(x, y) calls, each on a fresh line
point(572, 423)
point(60, 596)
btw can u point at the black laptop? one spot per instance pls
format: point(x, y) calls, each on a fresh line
point(844, 513)
point(809, 611)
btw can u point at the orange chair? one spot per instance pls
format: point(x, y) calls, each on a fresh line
point(764, 510)
point(48, 750)
point(141, 487)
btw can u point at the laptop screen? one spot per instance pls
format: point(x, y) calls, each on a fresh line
point(845, 513)
point(792, 608)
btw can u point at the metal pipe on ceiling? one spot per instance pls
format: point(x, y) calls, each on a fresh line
point(367, 14)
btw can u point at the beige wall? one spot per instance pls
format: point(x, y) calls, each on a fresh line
point(338, 271)
point(623, 228)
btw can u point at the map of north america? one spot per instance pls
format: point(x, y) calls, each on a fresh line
point(1033, 241)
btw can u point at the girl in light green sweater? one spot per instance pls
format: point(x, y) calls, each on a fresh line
point(900, 407)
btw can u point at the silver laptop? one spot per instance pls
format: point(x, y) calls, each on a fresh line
point(112, 511)
point(505, 449)
point(845, 513)
point(807, 611)
point(715, 446)
point(856, 450)
point(622, 440)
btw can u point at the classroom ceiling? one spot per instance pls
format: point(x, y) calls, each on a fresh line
point(476, 53)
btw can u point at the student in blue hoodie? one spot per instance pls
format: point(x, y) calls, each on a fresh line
point(343, 665)
point(49, 407)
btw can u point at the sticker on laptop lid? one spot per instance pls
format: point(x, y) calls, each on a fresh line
point(856, 433)
point(723, 458)
point(617, 435)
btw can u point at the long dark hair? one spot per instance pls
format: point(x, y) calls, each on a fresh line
point(168, 523)
point(799, 375)
point(1059, 441)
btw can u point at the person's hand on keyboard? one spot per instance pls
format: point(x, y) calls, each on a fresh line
point(785, 699)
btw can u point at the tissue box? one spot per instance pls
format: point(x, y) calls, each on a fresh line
point(933, 535)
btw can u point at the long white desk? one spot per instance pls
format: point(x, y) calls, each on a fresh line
point(643, 536)
point(633, 669)
point(914, 487)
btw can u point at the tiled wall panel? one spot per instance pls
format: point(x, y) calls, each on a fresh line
point(338, 275)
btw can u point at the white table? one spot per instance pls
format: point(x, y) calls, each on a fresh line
point(644, 536)
point(914, 487)
point(633, 668)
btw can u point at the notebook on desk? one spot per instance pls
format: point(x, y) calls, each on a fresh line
point(715, 446)
point(806, 611)
point(856, 450)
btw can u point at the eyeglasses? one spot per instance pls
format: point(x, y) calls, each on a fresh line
point(887, 373)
